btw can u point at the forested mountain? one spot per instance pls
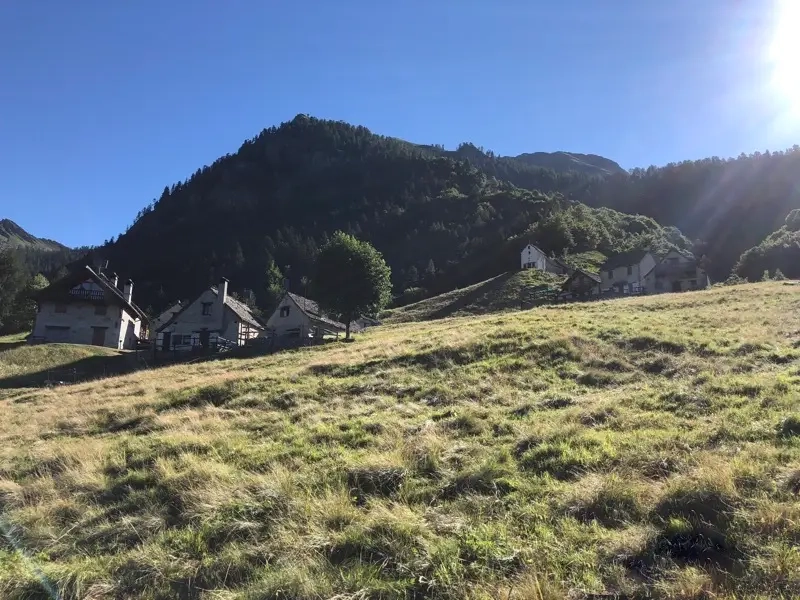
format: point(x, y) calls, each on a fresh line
point(36, 255)
point(439, 220)
point(780, 251)
point(725, 205)
point(728, 205)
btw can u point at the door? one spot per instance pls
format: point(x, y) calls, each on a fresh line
point(205, 336)
point(99, 336)
point(676, 286)
point(166, 341)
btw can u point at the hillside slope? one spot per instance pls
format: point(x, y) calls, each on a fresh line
point(15, 236)
point(648, 447)
point(497, 294)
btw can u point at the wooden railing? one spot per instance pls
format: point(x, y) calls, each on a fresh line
point(87, 294)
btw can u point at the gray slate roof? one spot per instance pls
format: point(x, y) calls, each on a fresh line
point(625, 259)
point(312, 310)
point(241, 310)
point(578, 272)
point(59, 290)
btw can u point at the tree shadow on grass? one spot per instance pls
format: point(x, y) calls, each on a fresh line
point(11, 345)
point(85, 369)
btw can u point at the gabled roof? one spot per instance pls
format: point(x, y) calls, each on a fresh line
point(559, 262)
point(241, 310)
point(238, 308)
point(578, 272)
point(625, 259)
point(59, 290)
point(312, 310)
point(534, 246)
point(684, 253)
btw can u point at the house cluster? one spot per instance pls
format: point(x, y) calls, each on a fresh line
point(634, 272)
point(89, 307)
point(92, 307)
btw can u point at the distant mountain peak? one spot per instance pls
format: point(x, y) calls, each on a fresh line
point(15, 236)
point(571, 161)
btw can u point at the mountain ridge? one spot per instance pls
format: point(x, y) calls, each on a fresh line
point(13, 235)
point(442, 219)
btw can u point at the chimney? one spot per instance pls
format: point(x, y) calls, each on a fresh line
point(114, 279)
point(222, 294)
point(128, 291)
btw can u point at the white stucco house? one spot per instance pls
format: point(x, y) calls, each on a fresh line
point(676, 272)
point(625, 273)
point(299, 317)
point(86, 307)
point(532, 257)
point(200, 324)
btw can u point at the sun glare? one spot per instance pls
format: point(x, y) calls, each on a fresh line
point(785, 52)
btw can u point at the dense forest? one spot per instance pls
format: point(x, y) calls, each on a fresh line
point(779, 252)
point(442, 218)
point(726, 206)
point(440, 221)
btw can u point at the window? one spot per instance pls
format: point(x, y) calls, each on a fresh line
point(100, 309)
point(285, 311)
point(207, 308)
point(673, 261)
point(630, 270)
point(61, 308)
point(611, 274)
point(693, 283)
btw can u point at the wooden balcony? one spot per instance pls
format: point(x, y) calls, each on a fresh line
point(93, 295)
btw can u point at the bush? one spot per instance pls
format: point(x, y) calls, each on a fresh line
point(735, 280)
point(789, 427)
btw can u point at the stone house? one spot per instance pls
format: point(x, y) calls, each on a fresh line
point(210, 320)
point(676, 272)
point(87, 307)
point(582, 284)
point(532, 257)
point(299, 317)
point(625, 273)
point(164, 317)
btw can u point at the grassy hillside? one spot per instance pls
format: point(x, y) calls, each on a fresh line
point(639, 446)
point(497, 294)
point(20, 363)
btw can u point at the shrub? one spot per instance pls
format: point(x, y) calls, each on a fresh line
point(789, 427)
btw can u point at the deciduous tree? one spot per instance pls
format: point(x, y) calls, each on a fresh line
point(351, 279)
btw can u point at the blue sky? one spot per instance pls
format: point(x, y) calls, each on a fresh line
point(103, 103)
